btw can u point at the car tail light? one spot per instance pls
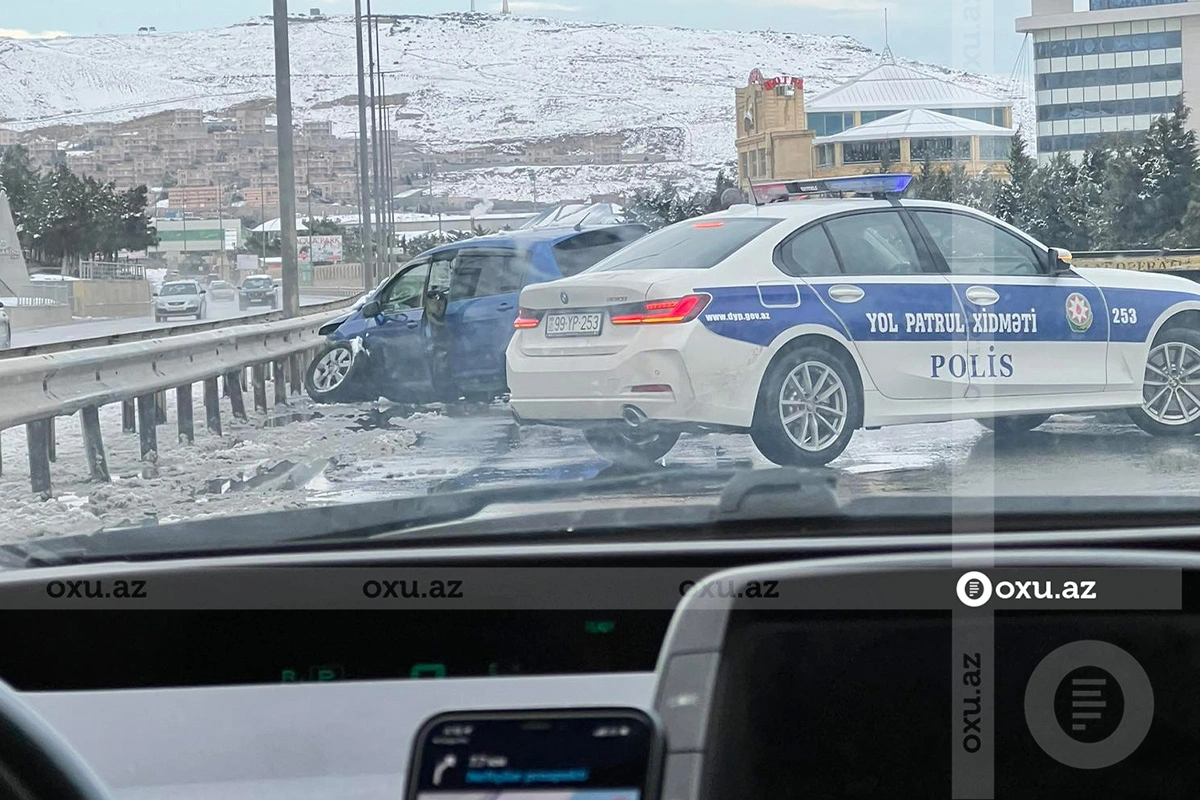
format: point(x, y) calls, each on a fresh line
point(679, 309)
point(528, 319)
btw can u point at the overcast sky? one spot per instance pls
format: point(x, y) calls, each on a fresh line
point(940, 31)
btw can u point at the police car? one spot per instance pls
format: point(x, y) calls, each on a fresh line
point(801, 322)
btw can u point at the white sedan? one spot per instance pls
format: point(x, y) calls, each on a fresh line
point(801, 322)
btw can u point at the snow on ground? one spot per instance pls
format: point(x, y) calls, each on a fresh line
point(261, 464)
point(465, 79)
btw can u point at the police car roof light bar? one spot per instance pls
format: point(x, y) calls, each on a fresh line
point(881, 187)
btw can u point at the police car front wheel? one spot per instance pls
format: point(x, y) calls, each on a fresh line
point(1171, 387)
point(808, 408)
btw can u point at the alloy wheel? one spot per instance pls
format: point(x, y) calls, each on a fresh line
point(813, 406)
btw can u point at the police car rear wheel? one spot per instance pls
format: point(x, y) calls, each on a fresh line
point(808, 408)
point(631, 448)
point(1012, 426)
point(1171, 387)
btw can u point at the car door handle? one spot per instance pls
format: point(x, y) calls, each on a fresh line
point(982, 296)
point(504, 307)
point(412, 323)
point(846, 294)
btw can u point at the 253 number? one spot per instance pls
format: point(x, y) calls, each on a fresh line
point(1124, 316)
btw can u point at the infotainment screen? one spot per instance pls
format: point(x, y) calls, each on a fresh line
point(973, 703)
point(531, 755)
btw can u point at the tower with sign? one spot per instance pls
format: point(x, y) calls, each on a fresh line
point(773, 140)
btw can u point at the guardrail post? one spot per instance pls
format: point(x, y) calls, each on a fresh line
point(147, 430)
point(279, 378)
point(93, 444)
point(212, 406)
point(51, 440)
point(160, 407)
point(128, 417)
point(297, 375)
point(259, 378)
point(183, 410)
point(36, 435)
point(233, 382)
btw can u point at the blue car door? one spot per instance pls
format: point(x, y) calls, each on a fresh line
point(1031, 332)
point(396, 343)
point(483, 306)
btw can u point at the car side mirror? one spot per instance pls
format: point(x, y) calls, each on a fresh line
point(203, 292)
point(1060, 260)
point(371, 309)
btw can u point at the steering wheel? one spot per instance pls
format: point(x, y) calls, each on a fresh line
point(36, 763)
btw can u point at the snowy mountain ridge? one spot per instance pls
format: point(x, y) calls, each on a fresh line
point(465, 78)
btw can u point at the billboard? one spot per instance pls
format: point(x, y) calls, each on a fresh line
point(247, 263)
point(319, 249)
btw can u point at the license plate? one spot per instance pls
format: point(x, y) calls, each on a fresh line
point(573, 325)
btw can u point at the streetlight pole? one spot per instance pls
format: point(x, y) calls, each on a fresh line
point(287, 167)
point(262, 199)
point(308, 185)
point(364, 188)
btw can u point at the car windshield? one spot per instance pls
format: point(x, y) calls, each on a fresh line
point(688, 245)
point(611, 257)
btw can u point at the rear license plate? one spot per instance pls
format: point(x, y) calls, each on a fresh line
point(573, 325)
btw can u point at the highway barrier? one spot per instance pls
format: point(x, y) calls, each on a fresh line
point(39, 384)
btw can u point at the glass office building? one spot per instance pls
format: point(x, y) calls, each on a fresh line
point(1108, 67)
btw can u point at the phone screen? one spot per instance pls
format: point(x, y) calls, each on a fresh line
point(553, 755)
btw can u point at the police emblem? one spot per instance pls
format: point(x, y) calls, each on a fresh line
point(1079, 312)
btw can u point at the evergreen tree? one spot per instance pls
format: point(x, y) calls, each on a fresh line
point(1012, 198)
point(17, 179)
point(1058, 210)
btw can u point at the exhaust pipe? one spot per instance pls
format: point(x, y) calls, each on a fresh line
point(634, 417)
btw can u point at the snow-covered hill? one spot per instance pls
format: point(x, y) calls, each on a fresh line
point(468, 78)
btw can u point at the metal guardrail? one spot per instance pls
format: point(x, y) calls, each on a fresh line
point(1178, 261)
point(137, 369)
point(169, 332)
point(112, 270)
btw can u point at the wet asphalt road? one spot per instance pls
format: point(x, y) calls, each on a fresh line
point(1077, 455)
point(90, 328)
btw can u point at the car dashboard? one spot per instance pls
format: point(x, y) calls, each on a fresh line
point(307, 675)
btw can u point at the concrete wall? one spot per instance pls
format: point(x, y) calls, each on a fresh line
point(23, 318)
point(110, 298)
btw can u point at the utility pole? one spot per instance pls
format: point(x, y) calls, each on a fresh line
point(287, 167)
point(374, 127)
point(364, 184)
point(221, 226)
point(262, 199)
point(386, 150)
point(312, 262)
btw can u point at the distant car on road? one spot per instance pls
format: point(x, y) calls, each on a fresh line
point(5, 329)
point(437, 329)
point(258, 290)
point(180, 299)
point(222, 291)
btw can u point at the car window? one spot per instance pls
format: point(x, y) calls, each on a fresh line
point(874, 244)
point(580, 252)
point(437, 292)
point(483, 274)
point(973, 246)
point(694, 244)
point(809, 253)
point(405, 292)
point(258, 283)
point(179, 288)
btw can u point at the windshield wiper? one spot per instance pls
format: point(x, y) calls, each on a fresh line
point(323, 525)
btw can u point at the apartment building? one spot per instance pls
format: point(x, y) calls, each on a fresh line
point(1109, 67)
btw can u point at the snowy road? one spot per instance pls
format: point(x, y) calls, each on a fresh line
point(308, 454)
point(90, 328)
